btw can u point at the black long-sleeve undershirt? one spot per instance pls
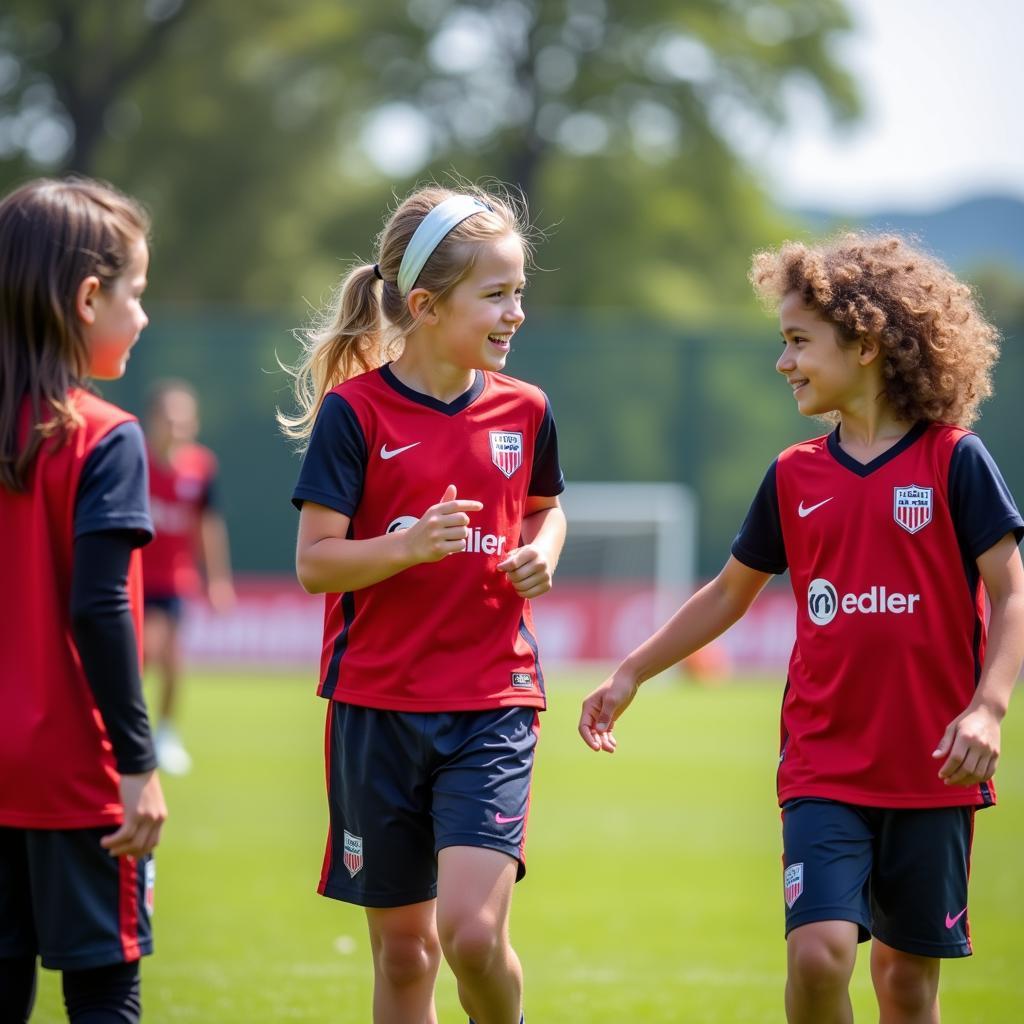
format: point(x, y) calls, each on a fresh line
point(104, 632)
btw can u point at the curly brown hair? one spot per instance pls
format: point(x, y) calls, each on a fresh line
point(938, 348)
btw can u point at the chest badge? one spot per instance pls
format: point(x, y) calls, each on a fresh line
point(507, 450)
point(912, 507)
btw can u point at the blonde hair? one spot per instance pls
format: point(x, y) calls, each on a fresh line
point(938, 349)
point(366, 324)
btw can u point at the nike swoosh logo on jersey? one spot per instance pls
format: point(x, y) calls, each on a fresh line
point(385, 454)
point(502, 820)
point(804, 512)
point(950, 921)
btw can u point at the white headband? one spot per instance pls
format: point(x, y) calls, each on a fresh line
point(427, 237)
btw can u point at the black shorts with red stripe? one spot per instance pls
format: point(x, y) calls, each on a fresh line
point(404, 785)
point(65, 899)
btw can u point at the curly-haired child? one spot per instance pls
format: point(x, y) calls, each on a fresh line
point(893, 527)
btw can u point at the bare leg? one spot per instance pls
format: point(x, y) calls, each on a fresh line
point(406, 955)
point(474, 894)
point(820, 960)
point(907, 986)
point(154, 635)
point(163, 658)
point(168, 667)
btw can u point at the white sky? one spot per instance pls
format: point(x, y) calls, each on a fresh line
point(942, 83)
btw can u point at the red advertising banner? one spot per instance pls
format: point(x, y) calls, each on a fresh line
point(277, 625)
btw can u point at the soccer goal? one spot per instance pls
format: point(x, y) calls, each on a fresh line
point(628, 562)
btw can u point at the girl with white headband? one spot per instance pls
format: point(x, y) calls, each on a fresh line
point(429, 517)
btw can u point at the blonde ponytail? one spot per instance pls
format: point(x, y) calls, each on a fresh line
point(367, 324)
point(348, 339)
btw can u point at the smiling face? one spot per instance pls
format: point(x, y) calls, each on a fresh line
point(477, 319)
point(825, 372)
point(113, 316)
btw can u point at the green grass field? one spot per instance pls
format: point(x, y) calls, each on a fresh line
point(654, 891)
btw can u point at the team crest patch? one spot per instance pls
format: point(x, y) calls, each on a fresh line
point(352, 853)
point(793, 883)
point(912, 507)
point(507, 450)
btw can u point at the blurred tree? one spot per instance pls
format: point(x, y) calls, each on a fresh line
point(266, 137)
point(222, 117)
point(69, 64)
point(518, 80)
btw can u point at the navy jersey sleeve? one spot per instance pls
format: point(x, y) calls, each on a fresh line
point(980, 503)
point(113, 490)
point(334, 466)
point(546, 479)
point(760, 544)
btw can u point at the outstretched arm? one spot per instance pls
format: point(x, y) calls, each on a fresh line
point(328, 561)
point(970, 744)
point(706, 615)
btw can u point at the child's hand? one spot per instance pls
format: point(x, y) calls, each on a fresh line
point(601, 710)
point(221, 595)
point(144, 815)
point(528, 570)
point(970, 745)
point(442, 530)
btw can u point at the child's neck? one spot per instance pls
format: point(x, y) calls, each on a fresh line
point(864, 435)
point(441, 380)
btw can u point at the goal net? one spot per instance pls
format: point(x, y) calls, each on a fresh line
point(628, 562)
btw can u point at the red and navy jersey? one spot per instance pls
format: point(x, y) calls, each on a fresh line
point(57, 766)
point(180, 491)
point(450, 635)
point(890, 632)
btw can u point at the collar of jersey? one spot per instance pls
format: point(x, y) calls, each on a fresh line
point(867, 468)
point(466, 399)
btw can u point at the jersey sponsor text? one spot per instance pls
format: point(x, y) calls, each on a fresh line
point(824, 602)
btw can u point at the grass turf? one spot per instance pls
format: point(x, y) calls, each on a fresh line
point(654, 889)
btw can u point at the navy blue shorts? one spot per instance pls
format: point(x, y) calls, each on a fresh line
point(65, 899)
point(403, 785)
point(170, 605)
point(900, 874)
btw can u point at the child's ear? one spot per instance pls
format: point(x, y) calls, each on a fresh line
point(422, 306)
point(85, 298)
point(870, 349)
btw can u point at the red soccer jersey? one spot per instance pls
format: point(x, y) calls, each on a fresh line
point(890, 609)
point(57, 767)
point(450, 635)
point(179, 492)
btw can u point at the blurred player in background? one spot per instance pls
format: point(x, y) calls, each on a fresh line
point(429, 517)
point(189, 554)
point(81, 807)
point(893, 527)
